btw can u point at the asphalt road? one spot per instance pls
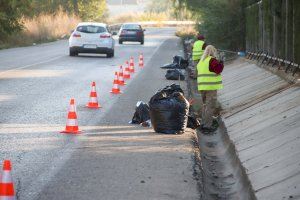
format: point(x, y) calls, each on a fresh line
point(36, 84)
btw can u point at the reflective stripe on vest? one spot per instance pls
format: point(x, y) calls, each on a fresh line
point(197, 50)
point(208, 80)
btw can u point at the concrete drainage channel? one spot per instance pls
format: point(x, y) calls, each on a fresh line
point(223, 175)
point(255, 152)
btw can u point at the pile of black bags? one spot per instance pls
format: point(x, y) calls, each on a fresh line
point(178, 63)
point(174, 74)
point(169, 110)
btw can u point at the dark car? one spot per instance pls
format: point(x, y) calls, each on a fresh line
point(131, 32)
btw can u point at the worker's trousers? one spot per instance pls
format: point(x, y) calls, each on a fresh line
point(210, 107)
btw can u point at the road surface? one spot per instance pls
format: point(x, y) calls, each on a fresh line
point(111, 159)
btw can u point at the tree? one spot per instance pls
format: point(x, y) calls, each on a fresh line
point(90, 10)
point(86, 9)
point(159, 6)
point(10, 13)
point(221, 21)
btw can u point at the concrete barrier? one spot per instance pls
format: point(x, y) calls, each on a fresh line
point(262, 117)
point(255, 153)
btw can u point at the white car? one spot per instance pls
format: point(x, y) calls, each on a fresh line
point(90, 37)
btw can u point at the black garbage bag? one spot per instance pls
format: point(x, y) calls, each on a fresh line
point(193, 122)
point(174, 74)
point(169, 110)
point(183, 63)
point(178, 63)
point(168, 90)
point(142, 113)
point(171, 66)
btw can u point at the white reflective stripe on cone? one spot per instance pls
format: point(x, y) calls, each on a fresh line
point(72, 108)
point(116, 86)
point(7, 198)
point(72, 122)
point(93, 89)
point(93, 99)
point(6, 177)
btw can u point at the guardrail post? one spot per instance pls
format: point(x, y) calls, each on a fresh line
point(265, 58)
point(281, 64)
point(296, 69)
point(250, 55)
point(288, 67)
point(247, 55)
point(259, 55)
point(253, 54)
point(270, 59)
point(275, 61)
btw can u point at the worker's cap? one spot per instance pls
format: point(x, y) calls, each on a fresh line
point(200, 37)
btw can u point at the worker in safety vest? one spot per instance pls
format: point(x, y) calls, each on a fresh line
point(198, 49)
point(209, 80)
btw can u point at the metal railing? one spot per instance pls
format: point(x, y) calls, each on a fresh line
point(267, 59)
point(226, 55)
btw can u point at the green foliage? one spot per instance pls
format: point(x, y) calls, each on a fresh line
point(91, 10)
point(13, 11)
point(296, 46)
point(169, 8)
point(182, 12)
point(10, 13)
point(221, 21)
point(87, 10)
point(159, 6)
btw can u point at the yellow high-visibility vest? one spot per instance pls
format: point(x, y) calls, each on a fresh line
point(197, 50)
point(206, 79)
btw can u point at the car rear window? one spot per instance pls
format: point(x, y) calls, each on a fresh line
point(131, 26)
point(91, 29)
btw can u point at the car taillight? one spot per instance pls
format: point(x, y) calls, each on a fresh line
point(139, 33)
point(104, 36)
point(76, 35)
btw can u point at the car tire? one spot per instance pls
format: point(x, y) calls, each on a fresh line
point(73, 53)
point(120, 42)
point(110, 54)
point(142, 42)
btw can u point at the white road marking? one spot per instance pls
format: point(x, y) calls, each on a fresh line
point(31, 65)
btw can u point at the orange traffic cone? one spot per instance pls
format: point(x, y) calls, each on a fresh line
point(72, 123)
point(93, 102)
point(121, 77)
point(116, 89)
point(141, 60)
point(127, 72)
point(131, 65)
point(7, 191)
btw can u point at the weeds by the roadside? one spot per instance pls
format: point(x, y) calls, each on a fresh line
point(186, 32)
point(135, 17)
point(43, 28)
